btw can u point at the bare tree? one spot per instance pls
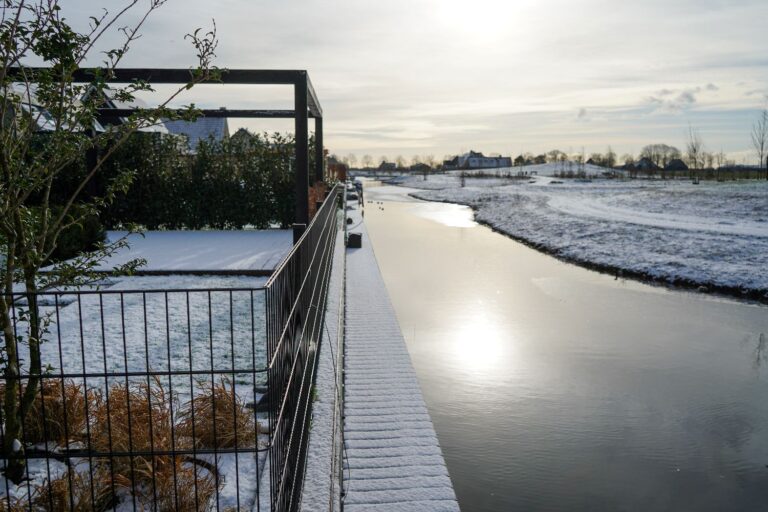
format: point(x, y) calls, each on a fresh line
point(760, 139)
point(352, 160)
point(367, 161)
point(694, 149)
point(554, 155)
point(400, 161)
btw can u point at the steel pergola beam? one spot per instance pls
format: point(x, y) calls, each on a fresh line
point(220, 112)
point(306, 106)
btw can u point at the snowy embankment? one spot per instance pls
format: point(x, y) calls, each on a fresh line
point(712, 235)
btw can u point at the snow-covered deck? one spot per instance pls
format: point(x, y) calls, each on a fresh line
point(394, 461)
point(255, 252)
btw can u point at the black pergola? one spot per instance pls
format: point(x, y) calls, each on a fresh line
point(306, 106)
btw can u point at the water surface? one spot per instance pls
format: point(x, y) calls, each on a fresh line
point(557, 388)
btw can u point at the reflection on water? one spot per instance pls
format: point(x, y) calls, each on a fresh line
point(452, 215)
point(557, 388)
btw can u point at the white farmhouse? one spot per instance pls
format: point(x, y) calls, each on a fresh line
point(475, 160)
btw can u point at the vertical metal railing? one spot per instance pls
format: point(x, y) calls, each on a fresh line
point(295, 306)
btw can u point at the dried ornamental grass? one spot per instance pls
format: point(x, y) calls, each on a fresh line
point(134, 418)
point(178, 486)
point(58, 412)
point(72, 492)
point(221, 418)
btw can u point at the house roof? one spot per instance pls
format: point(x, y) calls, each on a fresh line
point(200, 129)
point(676, 164)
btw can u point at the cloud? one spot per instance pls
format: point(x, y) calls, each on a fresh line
point(583, 115)
point(677, 100)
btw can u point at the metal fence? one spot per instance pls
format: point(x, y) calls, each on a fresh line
point(165, 398)
point(296, 297)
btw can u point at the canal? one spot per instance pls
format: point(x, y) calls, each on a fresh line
point(557, 388)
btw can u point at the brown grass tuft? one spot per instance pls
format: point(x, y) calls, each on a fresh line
point(191, 488)
point(55, 496)
point(232, 416)
point(16, 504)
point(56, 403)
point(149, 429)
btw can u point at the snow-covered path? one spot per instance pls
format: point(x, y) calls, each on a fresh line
point(394, 460)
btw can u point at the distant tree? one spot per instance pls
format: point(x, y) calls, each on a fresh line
point(351, 160)
point(597, 158)
point(519, 161)
point(694, 149)
point(660, 154)
point(610, 158)
point(709, 159)
point(367, 161)
point(430, 160)
point(540, 159)
point(415, 159)
point(400, 161)
point(720, 161)
point(554, 155)
point(760, 139)
point(628, 159)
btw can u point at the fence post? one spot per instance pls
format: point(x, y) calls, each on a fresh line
point(302, 151)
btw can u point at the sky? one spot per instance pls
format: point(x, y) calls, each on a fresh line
point(440, 77)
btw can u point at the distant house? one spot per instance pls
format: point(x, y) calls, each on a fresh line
point(387, 166)
point(451, 164)
point(420, 168)
point(475, 160)
point(203, 128)
point(646, 164)
point(336, 169)
point(676, 164)
point(106, 119)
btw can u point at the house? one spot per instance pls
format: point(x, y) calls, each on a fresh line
point(336, 169)
point(475, 160)
point(420, 168)
point(105, 119)
point(451, 164)
point(203, 128)
point(387, 166)
point(676, 164)
point(28, 101)
point(646, 164)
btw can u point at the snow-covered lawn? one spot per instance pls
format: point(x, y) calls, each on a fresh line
point(163, 324)
point(711, 234)
point(204, 250)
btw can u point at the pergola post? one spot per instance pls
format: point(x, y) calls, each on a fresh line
point(302, 156)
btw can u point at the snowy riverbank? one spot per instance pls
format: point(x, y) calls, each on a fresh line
point(712, 235)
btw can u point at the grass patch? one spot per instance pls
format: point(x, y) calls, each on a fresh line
point(217, 418)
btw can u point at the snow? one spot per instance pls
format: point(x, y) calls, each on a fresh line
point(324, 436)
point(167, 327)
point(163, 330)
point(711, 234)
point(245, 250)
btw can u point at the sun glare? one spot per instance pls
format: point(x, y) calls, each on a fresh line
point(480, 345)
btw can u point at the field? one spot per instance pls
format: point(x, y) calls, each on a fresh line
point(710, 235)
